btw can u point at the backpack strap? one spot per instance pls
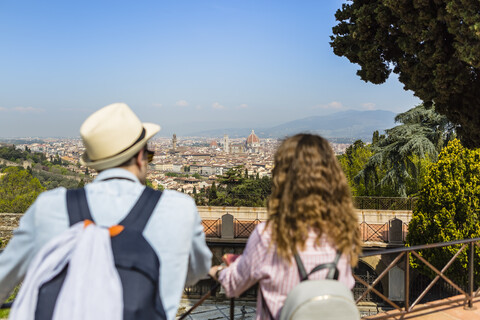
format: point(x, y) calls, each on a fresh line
point(301, 269)
point(265, 305)
point(140, 214)
point(332, 266)
point(77, 206)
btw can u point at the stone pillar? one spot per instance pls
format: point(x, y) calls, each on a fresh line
point(396, 284)
point(227, 226)
point(395, 231)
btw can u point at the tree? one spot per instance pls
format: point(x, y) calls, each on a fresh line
point(18, 190)
point(196, 175)
point(433, 46)
point(212, 194)
point(232, 177)
point(352, 162)
point(402, 153)
point(448, 207)
point(244, 192)
point(149, 183)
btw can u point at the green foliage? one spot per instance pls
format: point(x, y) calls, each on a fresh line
point(236, 190)
point(433, 46)
point(448, 208)
point(18, 190)
point(56, 160)
point(4, 313)
point(352, 162)
point(399, 158)
point(212, 193)
point(232, 177)
point(196, 175)
point(149, 184)
point(12, 154)
point(183, 175)
point(51, 180)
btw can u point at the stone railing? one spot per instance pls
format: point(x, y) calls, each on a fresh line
point(374, 223)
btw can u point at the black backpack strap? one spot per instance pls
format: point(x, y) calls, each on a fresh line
point(301, 269)
point(332, 266)
point(77, 206)
point(333, 273)
point(140, 214)
point(265, 305)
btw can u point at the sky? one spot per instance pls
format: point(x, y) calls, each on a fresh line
point(199, 64)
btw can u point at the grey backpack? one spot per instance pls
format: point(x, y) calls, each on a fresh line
point(326, 299)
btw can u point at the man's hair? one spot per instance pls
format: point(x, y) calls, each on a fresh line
point(132, 159)
point(310, 192)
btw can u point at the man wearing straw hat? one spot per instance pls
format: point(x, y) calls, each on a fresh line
point(116, 146)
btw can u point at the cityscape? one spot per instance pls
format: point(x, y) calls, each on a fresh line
point(181, 164)
point(203, 175)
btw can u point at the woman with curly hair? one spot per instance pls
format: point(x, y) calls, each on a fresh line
point(310, 213)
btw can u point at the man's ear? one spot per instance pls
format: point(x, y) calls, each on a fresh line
point(139, 158)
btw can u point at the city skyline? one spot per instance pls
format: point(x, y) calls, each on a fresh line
point(241, 64)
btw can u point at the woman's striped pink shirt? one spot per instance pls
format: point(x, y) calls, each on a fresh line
point(260, 263)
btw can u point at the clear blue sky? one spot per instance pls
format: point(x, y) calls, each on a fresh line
point(246, 63)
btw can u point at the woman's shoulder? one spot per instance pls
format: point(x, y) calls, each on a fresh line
point(263, 230)
point(261, 234)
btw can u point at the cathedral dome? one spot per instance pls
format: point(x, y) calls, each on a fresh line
point(253, 138)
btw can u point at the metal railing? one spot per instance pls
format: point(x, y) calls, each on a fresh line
point(243, 229)
point(403, 255)
point(370, 292)
point(406, 254)
point(212, 228)
point(370, 232)
point(374, 232)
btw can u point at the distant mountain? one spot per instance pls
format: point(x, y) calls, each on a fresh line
point(347, 124)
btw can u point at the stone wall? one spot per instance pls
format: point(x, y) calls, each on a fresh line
point(8, 222)
point(249, 213)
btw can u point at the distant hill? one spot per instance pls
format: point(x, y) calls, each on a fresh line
point(349, 124)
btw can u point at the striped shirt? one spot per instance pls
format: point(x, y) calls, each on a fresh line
point(259, 263)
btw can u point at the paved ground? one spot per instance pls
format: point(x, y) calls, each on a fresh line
point(246, 310)
point(455, 311)
point(211, 310)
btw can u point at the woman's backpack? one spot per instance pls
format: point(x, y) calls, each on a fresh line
point(326, 299)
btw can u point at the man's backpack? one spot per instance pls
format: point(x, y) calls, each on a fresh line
point(326, 299)
point(135, 260)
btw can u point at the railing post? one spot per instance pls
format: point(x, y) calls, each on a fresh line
point(232, 308)
point(407, 281)
point(470, 276)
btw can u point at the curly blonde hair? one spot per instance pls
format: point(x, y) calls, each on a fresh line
point(310, 191)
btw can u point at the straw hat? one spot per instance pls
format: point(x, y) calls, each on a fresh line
point(112, 135)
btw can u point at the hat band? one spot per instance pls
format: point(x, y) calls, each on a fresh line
point(142, 135)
